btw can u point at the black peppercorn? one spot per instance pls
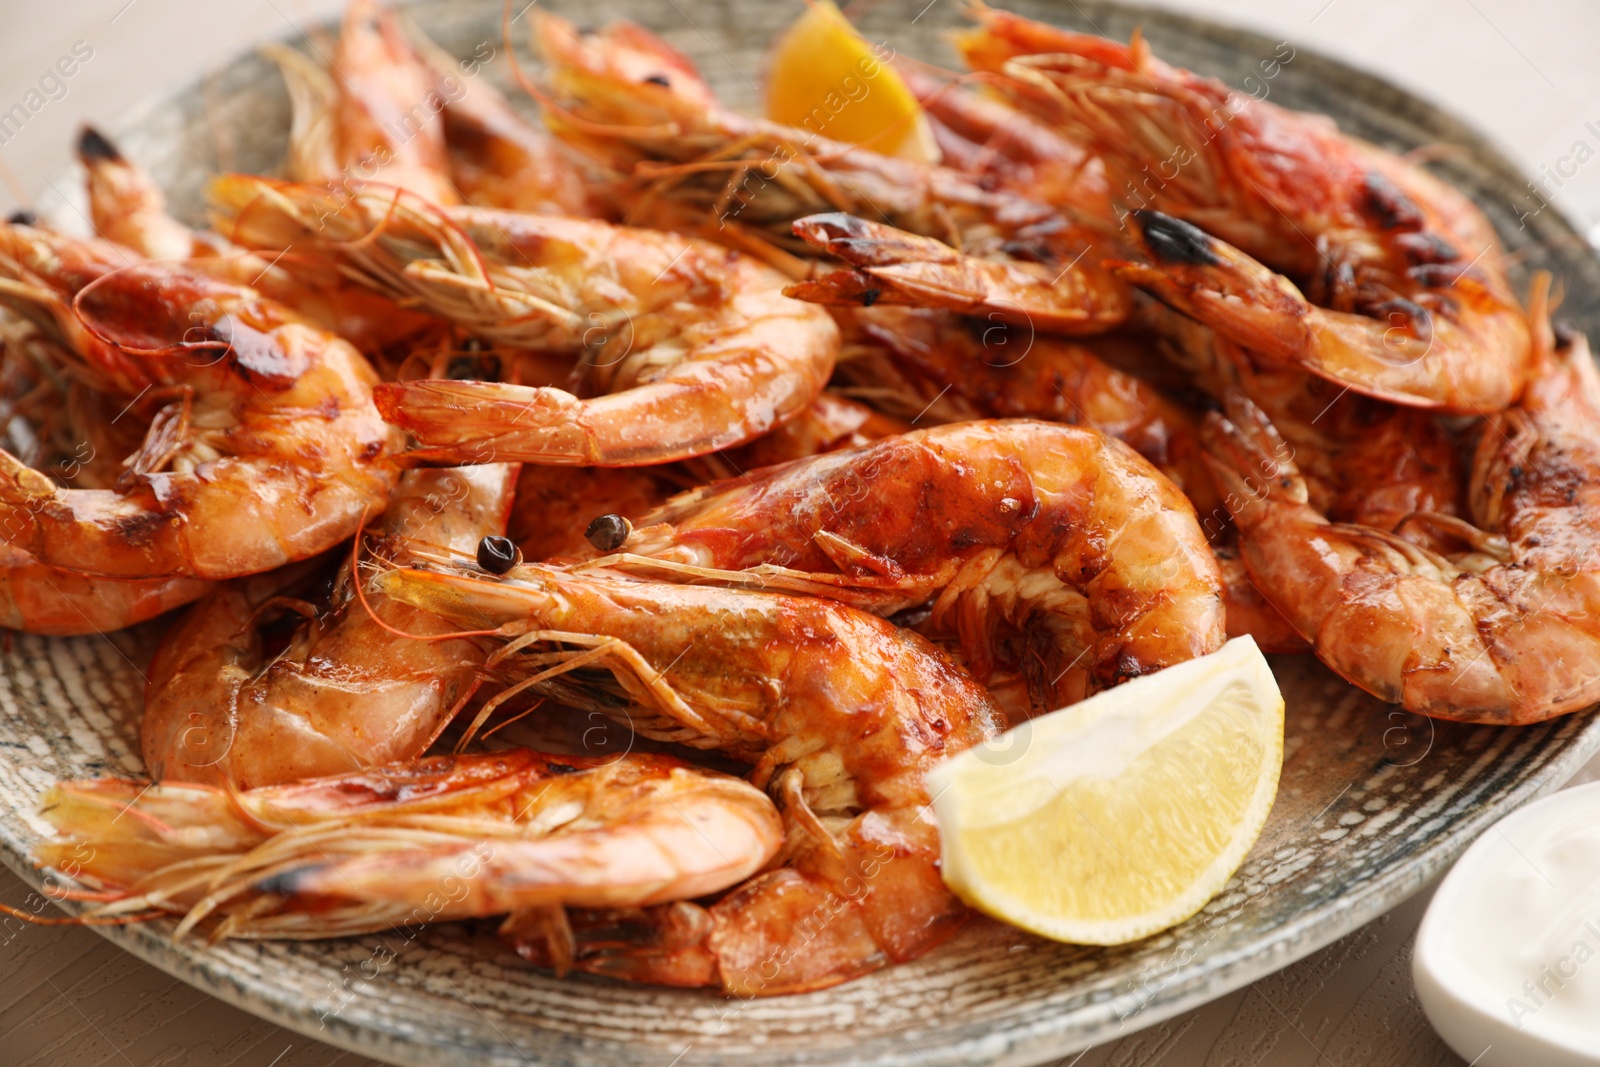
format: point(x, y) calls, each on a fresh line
point(498, 554)
point(608, 532)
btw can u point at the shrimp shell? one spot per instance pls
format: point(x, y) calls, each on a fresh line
point(442, 838)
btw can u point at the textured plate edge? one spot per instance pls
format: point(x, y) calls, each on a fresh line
point(1041, 1042)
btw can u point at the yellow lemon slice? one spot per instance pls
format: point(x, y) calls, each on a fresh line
point(1122, 815)
point(826, 79)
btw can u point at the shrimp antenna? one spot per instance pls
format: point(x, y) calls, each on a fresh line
point(87, 919)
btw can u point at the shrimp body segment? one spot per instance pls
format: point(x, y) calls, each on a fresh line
point(1046, 549)
point(683, 347)
point(841, 712)
point(344, 692)
point(1365, 234)
point(1499, 632)
point(447, 837)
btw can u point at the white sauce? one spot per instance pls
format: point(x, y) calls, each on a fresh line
point(1508, 958)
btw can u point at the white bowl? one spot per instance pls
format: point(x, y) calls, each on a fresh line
point(1520, 910)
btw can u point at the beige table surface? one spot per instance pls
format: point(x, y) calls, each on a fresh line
point(1522, 70)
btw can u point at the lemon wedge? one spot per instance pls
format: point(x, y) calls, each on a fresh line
point(827, 79)
point(1120, 816)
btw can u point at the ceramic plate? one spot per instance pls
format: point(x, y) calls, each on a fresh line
point(1373, 802)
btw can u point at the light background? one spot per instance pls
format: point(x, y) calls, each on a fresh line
point(1524, 72)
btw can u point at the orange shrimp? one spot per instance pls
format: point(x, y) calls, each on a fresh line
point(1046, 550)
point(1220, 286)
point(269, 450)
point(685, 347)
point(1408, 269)
point(76, 437)
point(448, 837)
point(1499, 631)
point(129, 208)
point(499, 158)
point(841, 712)
point(639, 107)
point(374, 116)
point(979, 369)
point(342, 692)
point(556, 507)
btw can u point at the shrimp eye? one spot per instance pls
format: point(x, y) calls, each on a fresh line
point(608, 532)
point(498, 554)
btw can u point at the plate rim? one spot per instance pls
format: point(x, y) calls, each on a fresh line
point(1042, 1038)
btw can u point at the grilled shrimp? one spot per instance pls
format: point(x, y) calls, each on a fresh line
point(1410, 271)
point(498, 158)
point(988, 370)
point(1498, 632)
point(639, 107)
point(448, 837)
point(268, 451)
point(684, 347)
point(343, 692)
point(375, 115)
point(556, 507)
point(76, 437)
point(1216, 284)
point(1363, 461)
point(842, 714)
point(127, 207)
point(1048, 550)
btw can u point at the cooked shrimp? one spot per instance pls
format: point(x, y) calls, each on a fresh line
point(685, 347)
point(1498, 633)
point(982, 134)
point(38, 599)
point(1364, 461)
point(344, 692)
point(993, 371)
point(374, 116)
point(76, 437)
point(448, 837)
point(841, 712)
point(127, 207)
point(1411, 268)
point(640, 108)
point(890, 266)
point(269, 450)
point(1220, 286)
point(1048, 550)
point(499, 158)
